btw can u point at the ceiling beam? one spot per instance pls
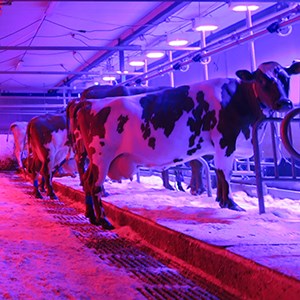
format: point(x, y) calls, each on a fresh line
point(155, 17)
point(93, 48)
point(67, 73)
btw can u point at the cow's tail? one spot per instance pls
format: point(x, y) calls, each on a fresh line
point(28, 138)
point(29, 148)
point(70, 137)
point(10, 130)
point(7, 136)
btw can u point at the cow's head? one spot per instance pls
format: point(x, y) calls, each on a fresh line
point(271, 83)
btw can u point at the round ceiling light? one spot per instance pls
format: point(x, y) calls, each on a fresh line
point(155, 54)
point(245, 7)
point(204, 24)
point(137, 63)
point(109, 78)
point(177, 39)
point(136, 60)
point(178, 42)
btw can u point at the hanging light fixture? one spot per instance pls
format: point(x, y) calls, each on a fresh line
point(108, 78)
point(177, 39)
point(137, 61)
point(155, 54)
point(204, 24)
point(243, 7)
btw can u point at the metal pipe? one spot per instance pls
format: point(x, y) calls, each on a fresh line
point(171, 73)
point(122, 65)
point(274, 149)
point(212, 52)
point(251, 43)
point(94, 48)
point(146, 70)
point(284, 133)
point(203, 45)
point(259, 184)
point(69, 73)
point(42, 105)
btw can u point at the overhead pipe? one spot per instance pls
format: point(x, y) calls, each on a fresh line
point(42, 105)
point(198, 55)
point(276, 8)
point(95, 48)
point(69, 73)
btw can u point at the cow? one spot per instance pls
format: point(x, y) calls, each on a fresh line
point(173, 126)
point(49, 147)
point(97, 92)
point(102, 91)
point(18, 130)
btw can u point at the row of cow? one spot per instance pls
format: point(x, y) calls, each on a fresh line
point(19, 130)
point(43, 130)
point(157, 128)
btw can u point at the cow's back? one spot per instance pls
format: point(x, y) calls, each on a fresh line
point(155, 128)
point(47, 135)
point(18, 130)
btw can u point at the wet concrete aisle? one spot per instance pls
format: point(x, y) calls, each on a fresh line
point(50, 251)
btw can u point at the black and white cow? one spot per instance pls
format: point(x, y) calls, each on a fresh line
point(103, 91)
point(95, 92)
point(173, 126)
point(49, 149)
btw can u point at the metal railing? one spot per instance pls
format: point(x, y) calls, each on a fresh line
point(286, 139)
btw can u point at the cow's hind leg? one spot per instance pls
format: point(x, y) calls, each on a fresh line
point(223, 193)
point(36, 191)
point(89, 207)
point(42, 184)
point(100, 213)
point(94, 209)
point(196, 184)
point(165, 179)
point(179, 178)
point(47, 174)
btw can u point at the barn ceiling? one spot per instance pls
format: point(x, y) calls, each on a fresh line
point(54, 45)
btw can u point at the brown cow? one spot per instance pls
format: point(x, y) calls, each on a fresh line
point(50, 149)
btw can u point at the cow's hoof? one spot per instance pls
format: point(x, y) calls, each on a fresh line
point(104, 194)
point(53, 197)
point(200, 192)
point(93, 221)
point(236, 207)
point(230, 204)
point(180, 188)
point(91, 218)
point(105, 224)
point(168, 187)
point(38, 195)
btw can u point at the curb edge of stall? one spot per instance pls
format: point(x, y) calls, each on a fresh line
point(237, 275)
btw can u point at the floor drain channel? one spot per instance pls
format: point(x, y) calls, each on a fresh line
point(158, 281)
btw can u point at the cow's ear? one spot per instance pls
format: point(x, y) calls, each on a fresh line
point(244, 75)
point(294, 68)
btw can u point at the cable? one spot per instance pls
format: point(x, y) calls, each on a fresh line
point(88, 31)
point(25, 27)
